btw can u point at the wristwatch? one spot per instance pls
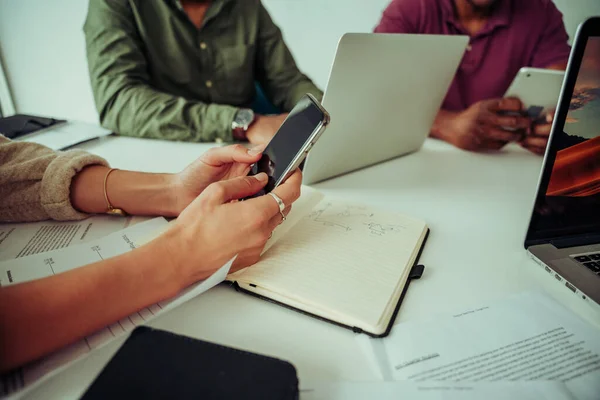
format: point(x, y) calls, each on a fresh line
point(242, 120)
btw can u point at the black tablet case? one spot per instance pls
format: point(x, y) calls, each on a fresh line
point(415, 273)
point(155, 364)
point(20, 124)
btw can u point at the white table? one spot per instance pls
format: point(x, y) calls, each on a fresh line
point(477, 206)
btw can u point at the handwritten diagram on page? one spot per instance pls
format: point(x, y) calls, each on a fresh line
point(41, 265)
point(527, 337)
point(349, 217)
point(309, 198)
point(336, 215)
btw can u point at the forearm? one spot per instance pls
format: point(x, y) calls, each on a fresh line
point(136, 193)
point(35, 181)
point(283, 83)
point(442, 126)
point(138, 110)
point(41, 316)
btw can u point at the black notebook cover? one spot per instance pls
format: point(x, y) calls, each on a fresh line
point(154, 364)
point(415, 273)
point(20, 124)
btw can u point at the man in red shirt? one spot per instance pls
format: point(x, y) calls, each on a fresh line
point(505, 35)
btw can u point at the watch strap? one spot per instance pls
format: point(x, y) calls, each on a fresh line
point(239, 130)
point(239, 133)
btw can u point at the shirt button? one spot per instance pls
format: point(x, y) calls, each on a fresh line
point(469, 47)
point(209, 84)
point(203, 46)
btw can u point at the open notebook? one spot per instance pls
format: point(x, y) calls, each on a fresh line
point(346, 263)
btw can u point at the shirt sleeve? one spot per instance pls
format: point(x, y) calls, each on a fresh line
point(276, 69)
point(35, 181)
point(125, 99)
point(552, 46)
point(400, 16)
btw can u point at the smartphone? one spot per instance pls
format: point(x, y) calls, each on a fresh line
point(538, 89)
point(292, 142)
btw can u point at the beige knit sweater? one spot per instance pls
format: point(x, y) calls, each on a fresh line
point(35, 181)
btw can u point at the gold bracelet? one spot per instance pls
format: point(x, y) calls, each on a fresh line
point(109, 208)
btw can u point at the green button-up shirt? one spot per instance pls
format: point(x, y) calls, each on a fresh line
point(155, 75)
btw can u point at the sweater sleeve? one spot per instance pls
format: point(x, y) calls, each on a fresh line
point(35, 181)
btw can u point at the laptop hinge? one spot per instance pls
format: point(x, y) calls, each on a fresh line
point(582, 240)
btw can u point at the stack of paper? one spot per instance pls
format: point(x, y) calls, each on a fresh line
point(524, 338)
point(436, 391)
point(28, 242)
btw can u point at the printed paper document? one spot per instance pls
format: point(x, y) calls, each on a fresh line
point(20, 240)
point(526, 337)
point(46, 264)
point(436, 391)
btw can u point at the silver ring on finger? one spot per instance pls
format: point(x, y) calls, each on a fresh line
point(280, 204)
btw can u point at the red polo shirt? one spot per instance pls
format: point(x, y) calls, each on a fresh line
point(520, 33)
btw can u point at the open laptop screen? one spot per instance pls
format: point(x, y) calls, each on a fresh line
point(568, 201)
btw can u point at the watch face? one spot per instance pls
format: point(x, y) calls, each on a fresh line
point(244, 117)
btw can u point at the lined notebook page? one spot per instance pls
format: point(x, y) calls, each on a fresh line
point(342, 257)
point(309, 198)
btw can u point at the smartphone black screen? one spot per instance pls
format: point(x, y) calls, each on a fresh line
point(289, 140)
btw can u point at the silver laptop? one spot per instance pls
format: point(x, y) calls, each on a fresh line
point(564, 231)
point(383, 94)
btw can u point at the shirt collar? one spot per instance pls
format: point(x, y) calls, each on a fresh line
point(215, 8)
point(178, 2)
point(501, 16)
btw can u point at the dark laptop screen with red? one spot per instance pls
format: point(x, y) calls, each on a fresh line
point(568, 200)
point(576, 170)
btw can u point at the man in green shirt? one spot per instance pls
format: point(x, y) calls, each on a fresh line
point(186, 69)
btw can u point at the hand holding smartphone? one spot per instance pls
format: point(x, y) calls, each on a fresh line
point(538, 90)
point(292, 142)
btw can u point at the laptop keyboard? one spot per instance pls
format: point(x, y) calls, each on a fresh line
point(590, 261)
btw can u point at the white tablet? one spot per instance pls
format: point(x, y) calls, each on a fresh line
point(537, 88)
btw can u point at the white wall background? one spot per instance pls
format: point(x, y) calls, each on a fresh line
point(42, 47)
